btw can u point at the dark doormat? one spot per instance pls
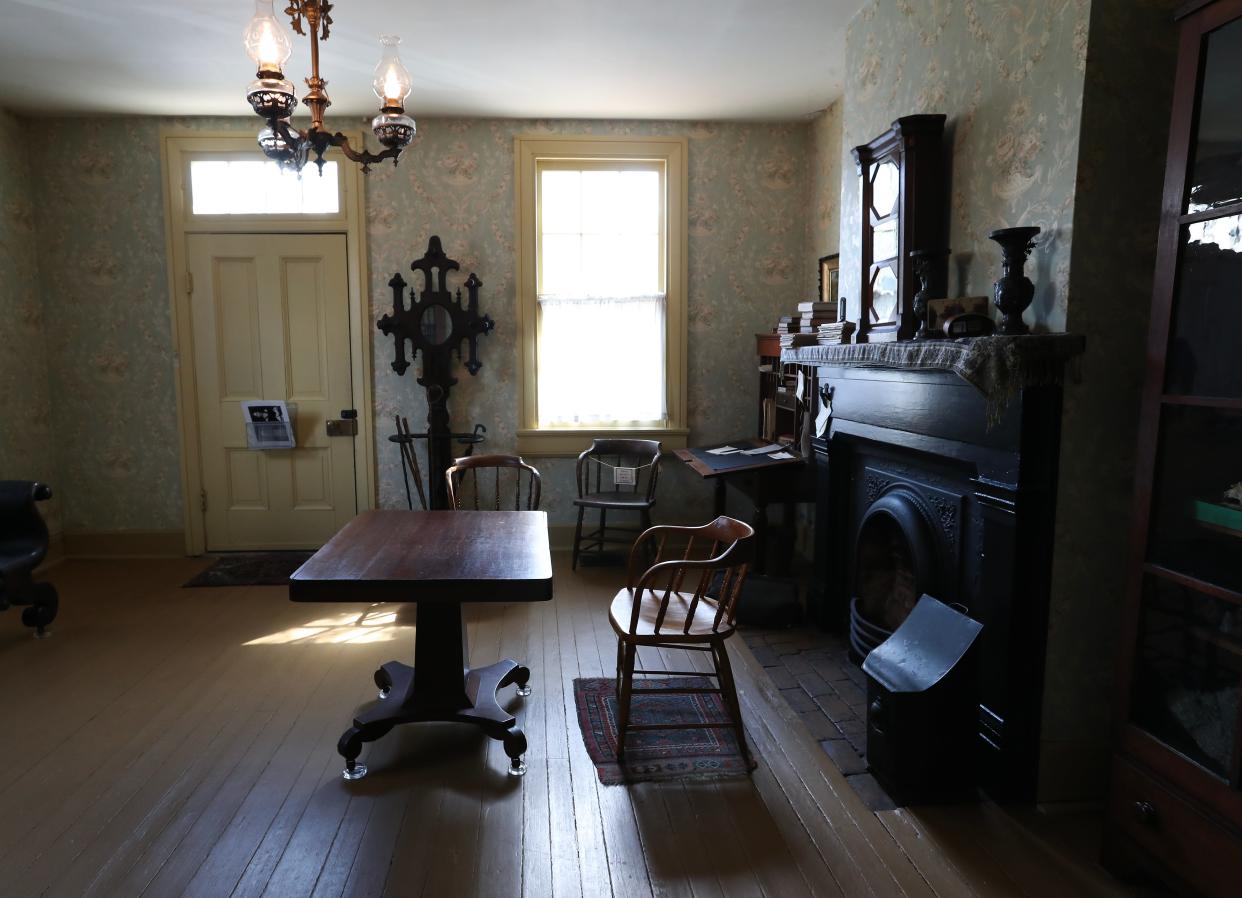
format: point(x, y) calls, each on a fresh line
point(653, 755)
point(251, 569)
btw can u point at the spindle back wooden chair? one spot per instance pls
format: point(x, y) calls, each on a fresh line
point(687, 599)
point(493, 483)
point(598, 488)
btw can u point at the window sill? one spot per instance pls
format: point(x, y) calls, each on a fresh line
point(567, 442)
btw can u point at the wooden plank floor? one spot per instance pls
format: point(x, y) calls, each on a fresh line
point(171, 741)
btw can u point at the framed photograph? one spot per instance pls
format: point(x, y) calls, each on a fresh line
point(940, 310)
point(829, 278)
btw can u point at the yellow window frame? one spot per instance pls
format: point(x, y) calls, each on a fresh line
point(533, 154)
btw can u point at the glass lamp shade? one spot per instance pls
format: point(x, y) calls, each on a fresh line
point(266, 41)
point(272, 97)
point(392, 80)
point(393, 129)
point(277, 147)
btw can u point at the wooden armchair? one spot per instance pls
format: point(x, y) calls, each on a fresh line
point(597, 488)
point(685, 600)
point(510, 479)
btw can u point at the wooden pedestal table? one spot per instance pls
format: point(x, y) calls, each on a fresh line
point(437, 559)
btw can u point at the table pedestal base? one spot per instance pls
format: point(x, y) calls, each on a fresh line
point(442, 690)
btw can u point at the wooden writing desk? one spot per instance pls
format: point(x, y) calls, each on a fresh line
point(437, 559)
point(763, 479)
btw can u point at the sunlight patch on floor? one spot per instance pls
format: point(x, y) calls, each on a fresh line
point(376, 624)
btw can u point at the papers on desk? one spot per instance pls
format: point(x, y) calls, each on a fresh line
point(762, 450)
point(781, 455)
point(723, 450)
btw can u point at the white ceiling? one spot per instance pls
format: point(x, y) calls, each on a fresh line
point(697, 59)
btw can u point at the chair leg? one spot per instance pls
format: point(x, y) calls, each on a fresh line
point(620, 664)
point(603, 531)
point(728, 691)
point(577, 538)
point(627, 695)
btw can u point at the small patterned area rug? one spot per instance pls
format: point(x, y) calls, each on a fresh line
point(250, 569)
point(653, 755)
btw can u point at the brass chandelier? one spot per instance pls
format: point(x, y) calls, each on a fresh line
point(272, 97)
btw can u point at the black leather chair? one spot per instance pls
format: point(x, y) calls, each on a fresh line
point(23, 544)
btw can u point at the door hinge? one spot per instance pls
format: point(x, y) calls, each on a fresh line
point(202, 500)
point(189, 283)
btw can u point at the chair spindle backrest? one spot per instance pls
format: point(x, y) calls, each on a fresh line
point(494, 483)
point(595, 466)
point(714, 561)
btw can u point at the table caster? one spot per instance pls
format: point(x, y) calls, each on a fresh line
point(515, 747)
point(383, 681)
point(521, 676)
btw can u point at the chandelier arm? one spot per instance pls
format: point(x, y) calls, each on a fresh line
point(364, 157)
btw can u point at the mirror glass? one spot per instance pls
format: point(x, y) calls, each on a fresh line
point(436, 324)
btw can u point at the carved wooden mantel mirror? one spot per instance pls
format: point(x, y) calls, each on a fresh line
point(435, 322)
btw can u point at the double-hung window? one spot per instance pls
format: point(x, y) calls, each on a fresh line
point(601, 244)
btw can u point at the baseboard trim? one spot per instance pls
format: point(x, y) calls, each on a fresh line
point(55, 552)
point(124, 544)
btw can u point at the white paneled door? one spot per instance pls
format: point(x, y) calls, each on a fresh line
point(271, 321)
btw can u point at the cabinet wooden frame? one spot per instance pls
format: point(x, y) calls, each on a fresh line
point(1211, 800)
point(914, 144)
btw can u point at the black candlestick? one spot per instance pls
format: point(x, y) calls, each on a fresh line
point(931, 267)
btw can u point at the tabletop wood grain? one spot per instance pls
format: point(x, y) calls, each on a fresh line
point(428, 556)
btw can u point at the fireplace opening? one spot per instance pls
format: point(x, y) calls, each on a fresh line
point(894, 564)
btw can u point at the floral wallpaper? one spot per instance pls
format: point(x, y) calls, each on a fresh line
point(25, 408)
point(1128, 91)
point(1009, 76)
point(824, 181)
point(100, 219)
point(97, 192)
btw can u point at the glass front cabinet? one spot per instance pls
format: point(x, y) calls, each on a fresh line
point(901, 187)
point(1175, 800)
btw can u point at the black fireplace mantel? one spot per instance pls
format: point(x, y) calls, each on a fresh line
point(985, 480)
point(999, 367)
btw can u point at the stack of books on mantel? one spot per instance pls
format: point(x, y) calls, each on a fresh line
point(810, 316)
point(790, 340)
point(836, 332)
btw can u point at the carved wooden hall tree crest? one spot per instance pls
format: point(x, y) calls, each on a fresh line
point(436, 323)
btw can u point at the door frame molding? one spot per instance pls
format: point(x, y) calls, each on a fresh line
point(177, 147)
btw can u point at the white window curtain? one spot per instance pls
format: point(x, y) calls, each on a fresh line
point(601, 361)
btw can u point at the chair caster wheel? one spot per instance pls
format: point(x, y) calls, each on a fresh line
point(517, 767)
point(383, 694)
point(357, 772)
point(525, 689)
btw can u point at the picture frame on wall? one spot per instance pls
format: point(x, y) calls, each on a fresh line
point(830, 279)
